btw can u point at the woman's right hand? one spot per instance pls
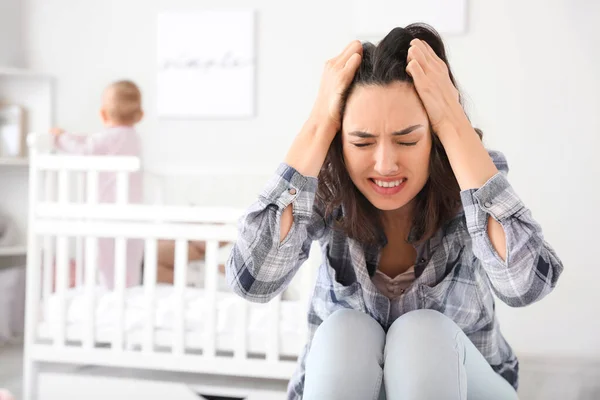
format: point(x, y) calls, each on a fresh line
point(310, 147)
point(337, 76)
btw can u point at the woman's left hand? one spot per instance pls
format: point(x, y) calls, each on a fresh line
point(433, 84)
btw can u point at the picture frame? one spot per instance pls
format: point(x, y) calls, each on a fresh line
point(12, 118)
point(206, 64)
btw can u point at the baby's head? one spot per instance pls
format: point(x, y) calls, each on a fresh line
point(121, 104)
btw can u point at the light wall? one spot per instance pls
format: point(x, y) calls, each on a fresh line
point(529, 70)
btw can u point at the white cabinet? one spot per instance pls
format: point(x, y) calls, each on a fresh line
point(34, 93)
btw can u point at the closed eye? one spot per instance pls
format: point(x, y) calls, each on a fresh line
point(400, 143)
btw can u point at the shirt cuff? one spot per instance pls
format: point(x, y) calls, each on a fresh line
point(288, 186)
point(496, 198)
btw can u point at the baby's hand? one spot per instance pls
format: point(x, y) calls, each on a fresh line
point(57, 131)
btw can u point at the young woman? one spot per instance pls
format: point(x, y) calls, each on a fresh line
point(418, 225)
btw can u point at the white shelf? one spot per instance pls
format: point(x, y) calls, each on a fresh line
point(13, 251)
point(14, 161)
point(21, 72)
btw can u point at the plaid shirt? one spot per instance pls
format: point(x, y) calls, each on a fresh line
point(456, 270)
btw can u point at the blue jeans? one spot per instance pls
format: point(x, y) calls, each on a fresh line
point(424, 356)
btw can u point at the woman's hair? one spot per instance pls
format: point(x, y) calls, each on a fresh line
point(439, 200)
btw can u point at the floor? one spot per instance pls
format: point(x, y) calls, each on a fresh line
point(540, 379)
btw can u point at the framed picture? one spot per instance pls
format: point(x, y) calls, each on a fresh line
point(206, 64)
point(11, 131)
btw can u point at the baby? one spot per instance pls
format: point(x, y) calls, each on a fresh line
point(121, 110)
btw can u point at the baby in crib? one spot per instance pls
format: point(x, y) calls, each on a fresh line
point(165, 263)
point(121, 110)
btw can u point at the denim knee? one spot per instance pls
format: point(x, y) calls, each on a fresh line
point(345, 358)
point(423, 324)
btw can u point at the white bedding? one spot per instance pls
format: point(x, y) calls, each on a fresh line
point(292, 336)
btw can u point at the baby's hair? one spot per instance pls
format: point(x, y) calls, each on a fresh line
point(123, 102)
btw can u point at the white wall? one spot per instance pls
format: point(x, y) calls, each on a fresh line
point(527, 67)
point(11, 33)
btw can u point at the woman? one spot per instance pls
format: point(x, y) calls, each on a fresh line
point(418, 224)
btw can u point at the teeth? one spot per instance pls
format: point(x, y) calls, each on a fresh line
point(389, 184)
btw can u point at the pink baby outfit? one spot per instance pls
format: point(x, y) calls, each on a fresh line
point(116, 141)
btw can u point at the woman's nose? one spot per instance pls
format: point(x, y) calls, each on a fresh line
point(386, 162)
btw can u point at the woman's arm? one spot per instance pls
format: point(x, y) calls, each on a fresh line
point(310, 147)
point(276, 233)
point(521, 266)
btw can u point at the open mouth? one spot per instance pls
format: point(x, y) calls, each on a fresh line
point(388, 187)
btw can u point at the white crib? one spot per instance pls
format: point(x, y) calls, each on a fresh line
point(176, 331)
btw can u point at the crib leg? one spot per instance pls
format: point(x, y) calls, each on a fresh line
point(30, 379)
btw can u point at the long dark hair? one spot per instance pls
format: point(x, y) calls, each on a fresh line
point(439, 200)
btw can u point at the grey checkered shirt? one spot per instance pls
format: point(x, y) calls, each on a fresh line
point(456, 270)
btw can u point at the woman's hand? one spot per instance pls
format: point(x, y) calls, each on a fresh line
point(310, 147)
point(470, 161)
point(337, 76)
point(433, 84)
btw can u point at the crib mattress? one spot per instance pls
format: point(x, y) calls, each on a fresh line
point(292, 333)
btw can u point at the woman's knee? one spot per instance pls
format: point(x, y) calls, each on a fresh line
point(418, 343)
point(348, 332)
point(350, 327)
point(345, 357)
point(418, 332)
point(423, 324)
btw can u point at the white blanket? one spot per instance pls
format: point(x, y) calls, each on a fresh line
point(291, 319)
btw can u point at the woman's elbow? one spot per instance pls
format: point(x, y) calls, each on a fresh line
point(248, 287)
point(539, 280)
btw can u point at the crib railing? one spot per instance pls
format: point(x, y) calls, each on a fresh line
point(65, 218)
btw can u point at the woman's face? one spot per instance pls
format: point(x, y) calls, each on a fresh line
point(386, 143)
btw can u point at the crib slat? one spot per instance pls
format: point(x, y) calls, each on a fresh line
point(47, 266)
point(122, 187)
point(119, 291)
point(273, 335)
point(150, 260)
point(197, 232)
point(80, 188)
point(78, 261)
point(89, 163)
point(63, 186)
point(49, 273)
point(32, 298)
point(91, 263)
point(139, 212)
point(49, 194)
point(212, 271)
point(241, 340)
point(92, 187)
point(91, 266)
point(61, 279)
point(181, 261)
